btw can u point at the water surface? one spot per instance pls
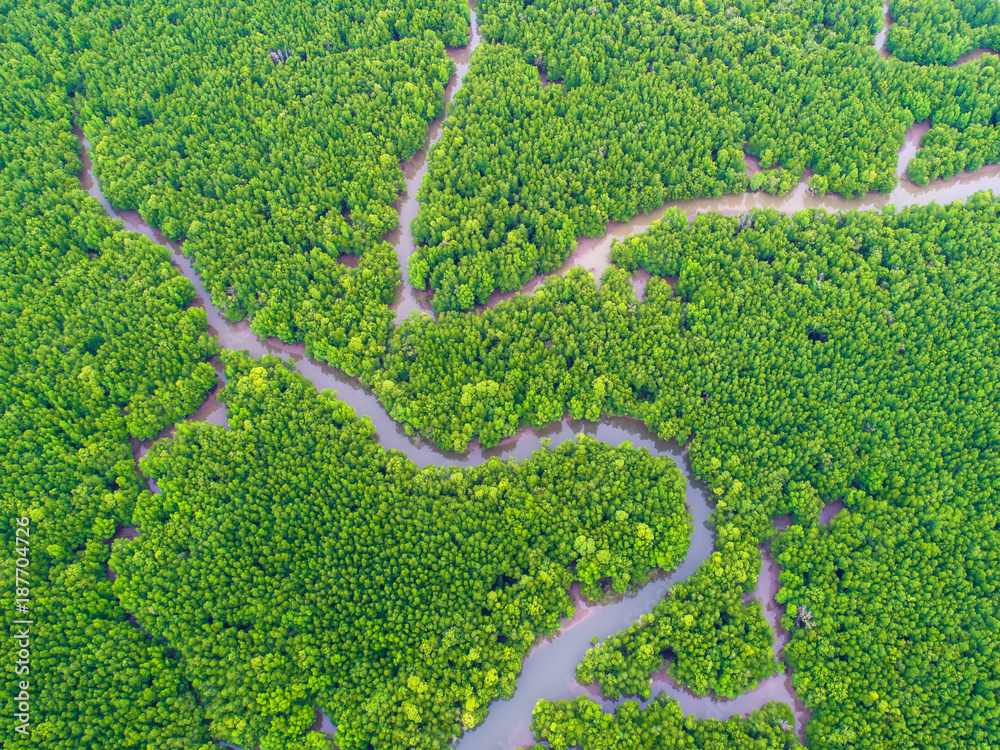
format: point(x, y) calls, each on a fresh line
point(408, 298)
point(549, 669)
point(593, 253)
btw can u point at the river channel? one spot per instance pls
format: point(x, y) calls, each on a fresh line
point(549, 669)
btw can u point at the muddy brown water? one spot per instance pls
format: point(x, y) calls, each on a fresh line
point(548, 670)
point(594, 253)
point(882, 37)
point(408, 298)
point(552, 675)
point(976, 54)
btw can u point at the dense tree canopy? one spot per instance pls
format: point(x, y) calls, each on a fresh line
point(581, 723)
point(941, 31)
point(522, 171)
point(703, 632)
point(894, 608)
point(658, 101)
point(946, 151)
point(95, 347)
point(568, 347)
point(294, 563)
point(269, 134)
point(808, 355)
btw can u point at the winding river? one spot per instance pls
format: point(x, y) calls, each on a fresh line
point(549, 669)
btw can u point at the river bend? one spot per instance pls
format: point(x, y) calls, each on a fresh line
point(549, 669)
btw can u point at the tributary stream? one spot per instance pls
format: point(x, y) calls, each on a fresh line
point(549, 669)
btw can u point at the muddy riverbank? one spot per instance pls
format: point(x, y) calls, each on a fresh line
point(881, 39)
point(594, 253)
point(409, 298)
point(548, 671)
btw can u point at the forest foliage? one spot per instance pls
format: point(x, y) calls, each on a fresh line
point(294, 563)
point(945, 151)
point(96, 347)
point(703, 632)
point(811, 356)
point(941, 31)
point(270, 136)
point(655, 101)
point(660, 725)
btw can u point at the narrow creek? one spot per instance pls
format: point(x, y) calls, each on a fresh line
point(548, 671)
point(408, 298)
point(594, 253)
point(882, 37)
